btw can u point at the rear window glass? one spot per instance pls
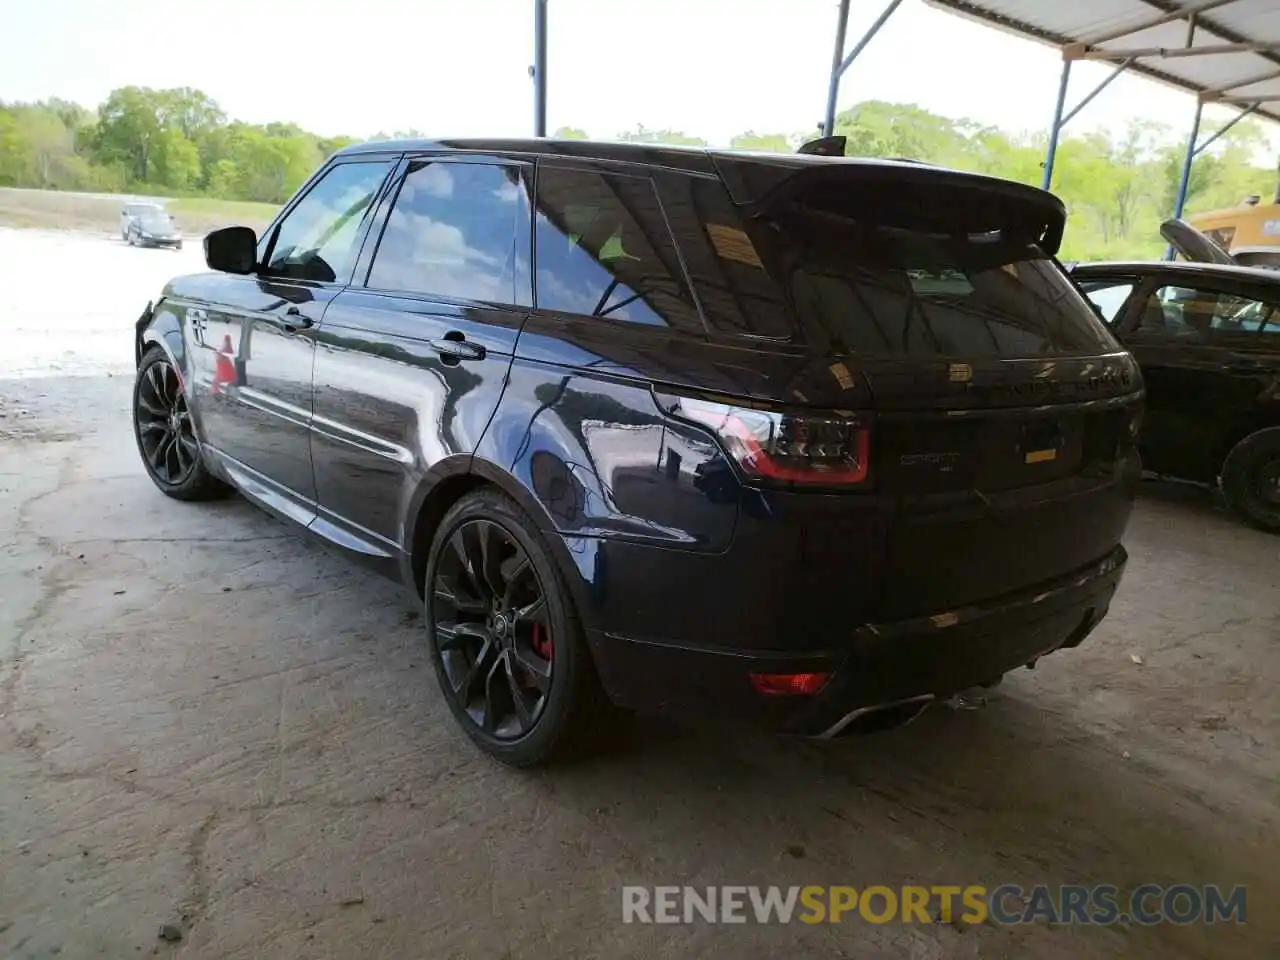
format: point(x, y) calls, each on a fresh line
point(918, 281)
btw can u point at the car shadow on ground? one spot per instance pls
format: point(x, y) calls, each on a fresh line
point(1192, 496)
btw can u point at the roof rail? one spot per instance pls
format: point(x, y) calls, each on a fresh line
point(824, 147)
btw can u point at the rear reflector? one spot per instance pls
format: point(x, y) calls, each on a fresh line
point(784, 684)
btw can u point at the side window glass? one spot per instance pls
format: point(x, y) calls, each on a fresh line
point(457, 230)
point(316, 240)
point(1109, 298)
point(1180, 313)
point(1185, 313)
point(603, 250)
point(1244, 315)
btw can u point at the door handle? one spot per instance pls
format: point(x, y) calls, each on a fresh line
point(455, 347)
point(295, 320)
point(1247, 366)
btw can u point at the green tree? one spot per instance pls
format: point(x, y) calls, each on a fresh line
point(331, 145)
point(175, 160)
point(771, 142)
point(223, 179)
point(674, 137)
point(128, 124)
point(570, 133)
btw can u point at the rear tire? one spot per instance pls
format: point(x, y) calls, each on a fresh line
point(1251, 479)
point(163, 430)
point(501, 626)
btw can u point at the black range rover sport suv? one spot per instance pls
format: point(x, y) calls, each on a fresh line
point(797, 439)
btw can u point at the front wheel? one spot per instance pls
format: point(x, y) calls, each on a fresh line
point(1251, 479)
point(505, 641)
point(166, 438)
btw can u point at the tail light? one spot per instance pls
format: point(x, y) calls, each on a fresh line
point(833, 449)
point(789, 684)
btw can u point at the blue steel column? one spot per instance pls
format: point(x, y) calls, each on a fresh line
point(1052, 153)
point(539, 69)
point(1185, 181)
point(840, 63)
point(837, 59)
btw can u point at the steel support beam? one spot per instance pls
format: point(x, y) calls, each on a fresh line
point(1171, 53)
point(1200, 148)
point(1189, 10)
point(840, 62)
point(1052, 153)
point(1120, 68)
point(539, 69)
point(1267, 98)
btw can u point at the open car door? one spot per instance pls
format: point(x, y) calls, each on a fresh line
point(1194, 245)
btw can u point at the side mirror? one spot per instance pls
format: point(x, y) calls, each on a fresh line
point(231, 250)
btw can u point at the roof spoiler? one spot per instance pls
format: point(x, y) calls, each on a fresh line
point(824, 147)
point(906, 193)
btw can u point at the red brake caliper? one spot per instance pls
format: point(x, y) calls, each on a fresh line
point(542, 642)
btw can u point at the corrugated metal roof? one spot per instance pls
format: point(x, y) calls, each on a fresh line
point(1109, 29)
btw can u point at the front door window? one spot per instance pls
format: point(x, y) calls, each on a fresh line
point(317, 239)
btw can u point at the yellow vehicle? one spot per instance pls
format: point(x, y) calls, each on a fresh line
point(1249, 232)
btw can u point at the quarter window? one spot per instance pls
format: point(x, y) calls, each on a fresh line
point(457, 230)
point(316, 239)
point(604, 250)
point(1109, 297)
point(737, 294)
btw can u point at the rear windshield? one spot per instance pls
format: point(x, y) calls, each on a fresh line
point(916, 280)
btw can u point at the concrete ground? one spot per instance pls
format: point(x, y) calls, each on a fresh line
point(210, 721)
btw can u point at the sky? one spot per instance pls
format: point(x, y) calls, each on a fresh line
point(711, 68)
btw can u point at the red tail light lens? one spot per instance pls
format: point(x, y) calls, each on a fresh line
point(829, 450)
point(789, 684)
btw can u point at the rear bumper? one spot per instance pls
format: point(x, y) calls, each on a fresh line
point(886, 663)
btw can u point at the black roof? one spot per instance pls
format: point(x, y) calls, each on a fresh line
point(1180, 267)
point(692, 158)
point(748, 175)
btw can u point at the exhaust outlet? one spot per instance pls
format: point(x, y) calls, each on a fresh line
point(882, 716)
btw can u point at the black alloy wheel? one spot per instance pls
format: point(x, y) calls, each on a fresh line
point(492, 629)
point(165, 433)
point(164, 425)
point(1251, 479)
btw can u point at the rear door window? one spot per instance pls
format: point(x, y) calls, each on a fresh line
point(457, 230)
point(604, 250)
point(1194, 313)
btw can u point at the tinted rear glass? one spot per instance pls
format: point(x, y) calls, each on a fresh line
point(916, 279)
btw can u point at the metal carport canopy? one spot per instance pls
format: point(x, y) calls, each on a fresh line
point(1223, 51)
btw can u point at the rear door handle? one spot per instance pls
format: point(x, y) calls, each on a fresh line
point(1249, 366)
point(295, 320)
point(455, 347)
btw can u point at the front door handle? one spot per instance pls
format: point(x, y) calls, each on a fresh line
point(1247, 366)
point(295, 320)
point(453, 347)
